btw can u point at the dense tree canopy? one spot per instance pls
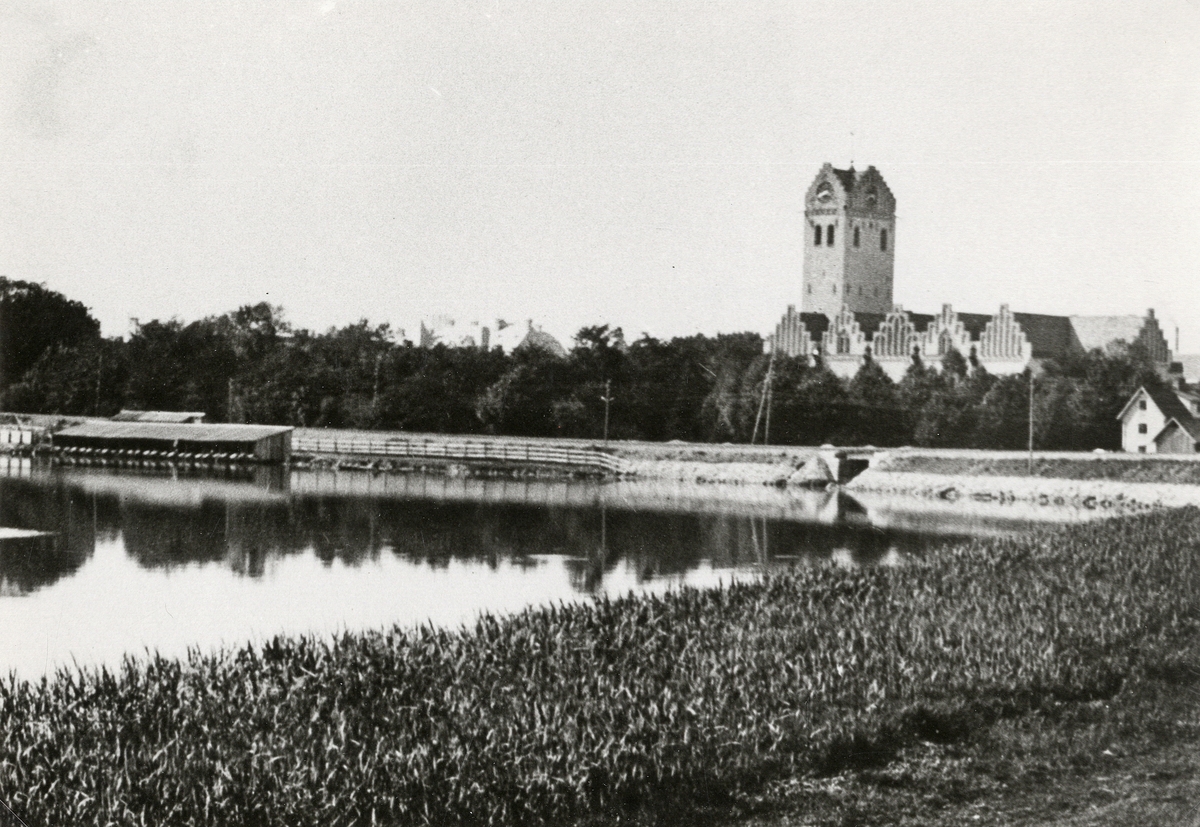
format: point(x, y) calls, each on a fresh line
point(34, 320)
point(251, 366)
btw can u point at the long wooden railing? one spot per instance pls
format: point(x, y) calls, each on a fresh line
point(461, 450)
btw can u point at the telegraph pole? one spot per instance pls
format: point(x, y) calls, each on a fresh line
point(607, 399)
point(762, 402)
point(1030, 469)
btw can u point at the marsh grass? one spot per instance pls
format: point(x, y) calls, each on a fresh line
point(595, 711)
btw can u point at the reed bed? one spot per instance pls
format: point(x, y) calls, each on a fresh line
point(591, 712)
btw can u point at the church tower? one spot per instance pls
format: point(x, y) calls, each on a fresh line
point(850, 240)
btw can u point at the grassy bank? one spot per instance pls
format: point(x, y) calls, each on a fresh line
point(1121, 469)
point(657, 705)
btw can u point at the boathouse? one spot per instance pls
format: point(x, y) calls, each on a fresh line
point(158, 440)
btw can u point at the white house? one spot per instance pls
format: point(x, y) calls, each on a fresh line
point(1149, 411)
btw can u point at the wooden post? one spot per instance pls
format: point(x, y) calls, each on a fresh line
point(1030, 468)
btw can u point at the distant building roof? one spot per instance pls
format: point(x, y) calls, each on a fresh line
point(815, 323)
point(1190, 362)
point(171, 431)
point(1049, 337)
point(538, 339)
point(1100, 331)
point(868, 323)
point(160, 416)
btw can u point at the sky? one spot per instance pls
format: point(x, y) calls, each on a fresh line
point(635, 164)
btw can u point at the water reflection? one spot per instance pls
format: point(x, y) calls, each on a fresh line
point(168, 560)
point(242, 520)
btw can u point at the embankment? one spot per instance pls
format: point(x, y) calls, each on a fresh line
point(1118, 483)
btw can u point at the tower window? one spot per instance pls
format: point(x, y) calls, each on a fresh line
point(857, 236)
point(883, 239)
point(829, 235)
point(817, 236)
point(835, 289)
point(810, 288)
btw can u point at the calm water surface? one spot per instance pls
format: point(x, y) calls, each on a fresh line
point(133, 561)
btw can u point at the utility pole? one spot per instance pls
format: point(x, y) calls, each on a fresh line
point(1030, 468)
point(762, 402)
point(99, 375)
point(607, 399)
point(375, 389)
point(770, 398)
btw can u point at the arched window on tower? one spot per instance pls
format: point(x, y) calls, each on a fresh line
point(817, 235)
point(857, 236)
point(883, 239)
point(829, 235)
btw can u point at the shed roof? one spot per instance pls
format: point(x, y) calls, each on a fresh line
point(1189, 425)
point(171, 431)
point(158, 416)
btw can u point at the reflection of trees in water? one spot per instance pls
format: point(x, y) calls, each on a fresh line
point(244, 534)
point(28, 564)
point(244, 531)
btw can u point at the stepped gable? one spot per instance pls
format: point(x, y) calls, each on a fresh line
point(1050, 337)
point(869, 193)
point(1101, 331)
point(896, 337)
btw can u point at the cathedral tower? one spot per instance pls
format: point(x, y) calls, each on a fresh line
point(850, 239)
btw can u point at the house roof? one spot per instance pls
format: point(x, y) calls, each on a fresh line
point(1168, 403)
point(171, 431)
point(846, 177)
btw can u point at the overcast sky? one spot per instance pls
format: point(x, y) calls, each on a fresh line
point(641, 164)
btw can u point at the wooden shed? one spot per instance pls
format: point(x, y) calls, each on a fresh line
point(1178, 437)
point(258, 443)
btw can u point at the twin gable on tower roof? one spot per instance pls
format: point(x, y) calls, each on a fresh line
point(850, 236)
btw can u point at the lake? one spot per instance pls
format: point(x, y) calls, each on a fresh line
point(96, 563)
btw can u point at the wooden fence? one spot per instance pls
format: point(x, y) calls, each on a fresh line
point(460, 450)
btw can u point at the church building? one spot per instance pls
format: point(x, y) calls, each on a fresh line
point(847, 312)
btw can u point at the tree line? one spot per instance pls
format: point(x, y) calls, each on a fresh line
point(250, 365)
